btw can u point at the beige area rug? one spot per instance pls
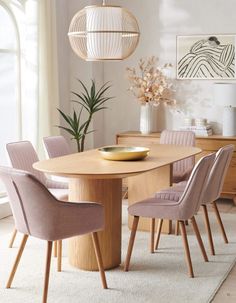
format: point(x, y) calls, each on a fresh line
point(160, 277)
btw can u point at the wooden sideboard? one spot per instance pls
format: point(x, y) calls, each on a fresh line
point(207, 144)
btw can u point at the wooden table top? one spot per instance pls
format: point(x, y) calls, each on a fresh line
point(90, 164)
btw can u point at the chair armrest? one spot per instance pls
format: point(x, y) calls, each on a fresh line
point(72, 219)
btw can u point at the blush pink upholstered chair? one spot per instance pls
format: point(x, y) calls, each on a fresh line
point(182, 210)
point(22, 156)
point(181, 169)
point(56, 146)
point(39, 214)
point(213, 190)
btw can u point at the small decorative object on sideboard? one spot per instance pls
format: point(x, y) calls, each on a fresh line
point(200, 127)
point(151, 87)
point(200, 122)
point(188, 121)
point(225, 96)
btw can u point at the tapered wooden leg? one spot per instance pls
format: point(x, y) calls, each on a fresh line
point(13, 238)
point(186, 222)
point(55, 249)
point(199, 239)
point(208, 229)
point(186, 248)
point(17, 260)
point(125, 195)
point(131, 243)
point(152, 229)
point(99, 259)
point(47, 271)
point(160, 222)
point(177, 228)
point(59, 254)
point(220, 221)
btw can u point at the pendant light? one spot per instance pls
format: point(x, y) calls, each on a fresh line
point(104, 32)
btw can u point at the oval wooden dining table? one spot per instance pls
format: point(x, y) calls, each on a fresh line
point(91, 178)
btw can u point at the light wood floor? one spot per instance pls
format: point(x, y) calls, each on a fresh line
point(227, 292)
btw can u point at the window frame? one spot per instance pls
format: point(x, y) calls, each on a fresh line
point(17, 52)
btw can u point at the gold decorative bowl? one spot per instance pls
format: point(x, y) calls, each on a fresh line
point(123, 153)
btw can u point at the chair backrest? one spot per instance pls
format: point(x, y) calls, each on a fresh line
point(23, 155)
point(185, 138)
point(34, 208)
point(218, 172)
point(56, 146)
point(194, 191)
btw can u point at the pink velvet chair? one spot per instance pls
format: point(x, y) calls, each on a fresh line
point(22, 156)
point(39, 214)
point(182, 210)
point(56, 146)
point(181, 169)
point(214, 188)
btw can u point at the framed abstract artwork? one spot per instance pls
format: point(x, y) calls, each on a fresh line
point(206, 57)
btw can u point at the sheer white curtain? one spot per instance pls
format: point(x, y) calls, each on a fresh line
point(48, 93)
point(28, 23)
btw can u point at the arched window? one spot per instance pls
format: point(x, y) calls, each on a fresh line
point(10, 81)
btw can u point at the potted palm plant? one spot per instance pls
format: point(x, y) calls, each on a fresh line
point(91, 100)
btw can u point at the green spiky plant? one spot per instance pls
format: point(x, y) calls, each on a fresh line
point(91, 100)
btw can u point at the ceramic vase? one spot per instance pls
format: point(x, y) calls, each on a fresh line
point(146, 118)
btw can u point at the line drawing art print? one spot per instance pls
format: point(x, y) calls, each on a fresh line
point(206, 57)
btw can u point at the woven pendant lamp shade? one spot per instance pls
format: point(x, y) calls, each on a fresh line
point(103, 33)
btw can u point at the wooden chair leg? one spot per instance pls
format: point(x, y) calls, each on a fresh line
point(159, 227)
point(59, 255)
point(99, 259)
point(152, 234)
point(125, 195)
point(12, 238)
point(47, 271)
point(17, 260)
point(199, 239)
point(208, 229)
point(220, 221)
point(177, 228)
point(55, 248)
point(186, 248)
point(131, 242)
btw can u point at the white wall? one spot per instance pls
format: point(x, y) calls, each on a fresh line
point(160, 21)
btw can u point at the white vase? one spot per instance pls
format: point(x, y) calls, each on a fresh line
point(146, 118)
